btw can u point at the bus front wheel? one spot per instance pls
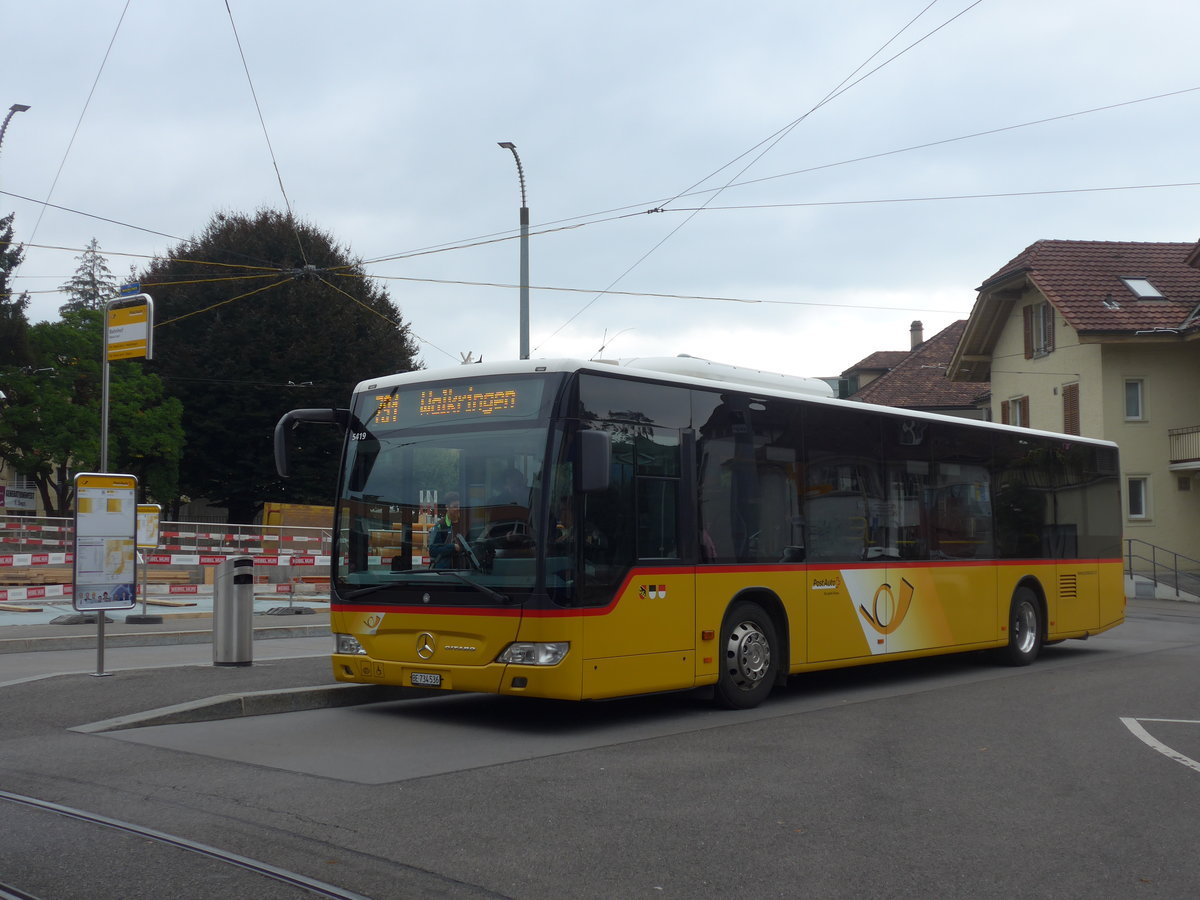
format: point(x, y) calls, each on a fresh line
point(749, 657)
point(1024, 628)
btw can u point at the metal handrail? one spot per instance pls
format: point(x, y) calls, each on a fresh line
point(1173, 568)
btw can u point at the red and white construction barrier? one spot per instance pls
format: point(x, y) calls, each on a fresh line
point(37, 592)
point(15, 560)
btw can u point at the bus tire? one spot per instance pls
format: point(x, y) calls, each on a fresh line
point(1024, 628)
point(749, 656)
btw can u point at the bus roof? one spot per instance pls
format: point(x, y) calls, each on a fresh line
point(700, 373)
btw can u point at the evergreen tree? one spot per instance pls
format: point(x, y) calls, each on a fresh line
point(14, 326)
point(258, 315)
point(92, 283)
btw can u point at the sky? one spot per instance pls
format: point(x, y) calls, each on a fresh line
point(730, 181)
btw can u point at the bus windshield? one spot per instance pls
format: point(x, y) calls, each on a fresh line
point(443, 485)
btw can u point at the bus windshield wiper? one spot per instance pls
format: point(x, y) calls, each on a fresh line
point(482, 588)
point(369, 589)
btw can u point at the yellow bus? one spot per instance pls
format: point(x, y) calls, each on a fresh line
point(586, 530)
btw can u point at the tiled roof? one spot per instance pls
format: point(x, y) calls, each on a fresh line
point(880, 359)
point(1082, 279)
point(919, 381)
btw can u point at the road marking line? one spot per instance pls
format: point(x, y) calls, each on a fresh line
point(1143, 735)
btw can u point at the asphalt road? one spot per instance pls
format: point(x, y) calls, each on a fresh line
point(950, 777)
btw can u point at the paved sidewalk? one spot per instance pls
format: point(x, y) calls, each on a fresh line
point(164, 674)
point(38, 651)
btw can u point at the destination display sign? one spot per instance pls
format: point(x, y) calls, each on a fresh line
point(435, 403)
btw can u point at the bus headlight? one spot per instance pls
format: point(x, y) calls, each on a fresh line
point(535, 654)
point(348, 643)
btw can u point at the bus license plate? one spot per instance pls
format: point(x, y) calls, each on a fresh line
point(426, 679)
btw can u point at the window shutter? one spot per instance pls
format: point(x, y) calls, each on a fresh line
point(1005, 419)
point(1027, 312)
point(1048, 327)
point(1071, 408)
point(1024, 401)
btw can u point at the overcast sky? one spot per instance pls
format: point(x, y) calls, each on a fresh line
point(384, 118)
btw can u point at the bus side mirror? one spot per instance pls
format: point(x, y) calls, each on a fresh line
point(595, 461)
point(289, 420)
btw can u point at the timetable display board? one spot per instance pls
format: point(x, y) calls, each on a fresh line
point(130, 329)
point(105, 542)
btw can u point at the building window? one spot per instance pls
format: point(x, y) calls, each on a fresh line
point(1143, 289)
point(1039, 330)
point(1138, 491)
point(1070, 395)
point(1135, 400)
point(1015, 412)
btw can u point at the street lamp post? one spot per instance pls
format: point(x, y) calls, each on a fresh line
point(509, 145)
point(12, 111)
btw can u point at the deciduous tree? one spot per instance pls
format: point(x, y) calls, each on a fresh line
point(51, 423)
point(258, 315)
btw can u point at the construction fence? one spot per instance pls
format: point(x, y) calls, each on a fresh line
point(36, 561)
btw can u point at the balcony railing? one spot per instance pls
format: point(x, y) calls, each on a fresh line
point(1185, 446)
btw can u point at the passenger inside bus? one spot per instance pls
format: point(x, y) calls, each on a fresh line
point(443, 538)
point(513, 490)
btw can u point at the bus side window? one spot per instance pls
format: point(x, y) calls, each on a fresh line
point(657, 518)
point(607, 541)
point(845, 500)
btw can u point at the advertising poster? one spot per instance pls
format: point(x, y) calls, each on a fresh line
point(105, 539)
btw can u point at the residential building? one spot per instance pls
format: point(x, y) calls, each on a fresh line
point(1102, 338)
point(878, 364)
point(918, 380)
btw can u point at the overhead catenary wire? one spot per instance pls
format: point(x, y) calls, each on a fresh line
point(734, 184)
point(213, 306)
point(266, 135)
point(616, 213)
point(656, 205)
point(118, 222)
point(745, 300)
point(268, 272)
point(774, 140)
point(1130, 187)
point(402, 327)
point(75, 133)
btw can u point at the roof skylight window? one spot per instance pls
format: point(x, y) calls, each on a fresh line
point(1143, 289)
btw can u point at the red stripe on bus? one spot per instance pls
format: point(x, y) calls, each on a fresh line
point(655, 572)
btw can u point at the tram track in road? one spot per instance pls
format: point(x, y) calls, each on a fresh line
point(9, 892)
point(274, 873)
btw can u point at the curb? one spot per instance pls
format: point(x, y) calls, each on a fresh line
point(257, 703)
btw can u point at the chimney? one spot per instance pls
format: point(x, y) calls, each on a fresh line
point(917, 334)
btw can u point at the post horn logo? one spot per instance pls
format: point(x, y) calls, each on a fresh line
point(886, 612)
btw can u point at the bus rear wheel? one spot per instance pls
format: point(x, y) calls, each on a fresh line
point(749, 657)
point(1024, 628)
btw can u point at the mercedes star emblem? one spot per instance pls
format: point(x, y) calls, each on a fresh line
point(425, 645)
